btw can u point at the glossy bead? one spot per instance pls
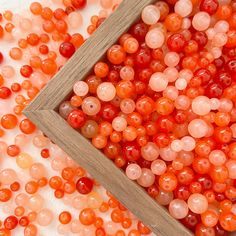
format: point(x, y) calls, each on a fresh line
point(178, 209)
point(197, 203)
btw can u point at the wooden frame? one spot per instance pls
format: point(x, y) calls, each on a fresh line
point(43, 112)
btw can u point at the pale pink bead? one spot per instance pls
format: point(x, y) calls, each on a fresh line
point(182, 102)
point(201, 105)
point(197, 203)
point(219, 40)
point(167, 154)
point(197, 128)
point(189, 143)
point(58, 163)
point(183, 7)
point(106, 4)
point(75, 20)
point(79, 202)
point(119, 124)
point(75, 226)
point(25, 24)
point(210, 130)
point(111, 227)
point(155, 38)
point(63, 229)
point(21, 199)
point(44, 217)
point(81, 88)
point(181, 84)
point(231, 166)
point(158, 82)
point(186, 74)
point(88, 231)
point(221, 26)
point(127, 73)
point(171, 59)
point(158, 167)
point(35, 202)
point(150, 151)
point(8, 71)
point(176, 145)
point(7, 208)
point(38, 79)
point(103, 13)
point(217, 157)
point(186, 23)
point(91, 106)
point(3, 147)
point(127, 105)
point(215, 103)
point(150, 15)
point(40, 141)
point(186, 157)
point(147, 178)
point(164, 198)
point(226, 105)
point(171, 73)
point(37, 171)
point(233, 128)
point(178, 208)
point(201, 21)
point(216, 52)
point(210, 33)
point(171, 92)
point(8, 176)
point(133, 171)
point(106, 91)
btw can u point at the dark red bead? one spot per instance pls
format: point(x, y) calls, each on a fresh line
point(204, 75)
point(76, 119)
point(143, 57)
point(161, 140)
point(214, 90)
point(79, 4)
point(220, 197)
point(15, 87)
point(10, 222)
point(108, 112)
point(67, 49)
point(165, 124)
point(182, 192)
point(176, 42)
point(230, 66)
point(223, 78)
point(131, 151)
point(201, 39)
point(153, 191)
point(1, 57)
point(145, 74)
point(219, 62)
point(144, 163)
point(45, 153)
point(220, 231)
point(180, 117)
point(84, 185)
point(113, 76)
point(205, 181)
point(139, 31)
point(191, 220)
point(5, 92)
point(24, 221)
point(209, 6)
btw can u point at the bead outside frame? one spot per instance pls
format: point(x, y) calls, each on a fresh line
point(43, 111)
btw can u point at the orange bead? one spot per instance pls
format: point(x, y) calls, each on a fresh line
point(173, 22)
point(33, 39)
point(65, 217)
point(77, 40)
point(134, 232)
point(9, 121)
point(31, 187)
point(87, 216)
point(224, 12)
point(117, 216)
point(209, 218)
point(101, 69)
point(47, 13)
point(16, 53)
point(35, 62)
point(48, 26)
point(228, 221)
point(36, 8)
point(164, 106)
point(61, 26)
point(49, 66)
point(27, 127)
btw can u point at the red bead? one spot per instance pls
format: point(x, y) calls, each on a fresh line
point(24, 221)
point(223, 78)
point(5, 92)
point(10, 222)
point(200, 38)
point(26, 71)
point(176, 42)
point(204, 75)
point(67, 49)
point(209, 6)
point(139, 31)
point(84, 185)
point(191, 220)
point(108, 112)
point(76, 119)
point(131, 151)
point(79, 4)
point(15, 87)
point(45, 153)
point(1, 56)
point(214, 90)
point(143, 57)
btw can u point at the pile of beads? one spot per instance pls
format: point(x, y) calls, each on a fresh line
point(162, 107)
point(32, 182)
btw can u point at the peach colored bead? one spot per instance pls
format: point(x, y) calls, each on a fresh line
point(75, 226)
point(221, 26)
point(231, 166)
point(106, 4)
point(186, 24)
point(171, 73)
point(186, 74)
point(215, 103)
point(40, 141)
point(183, 7)
point(158, 167)
point(171, 92)
point(127, 73)
point(164, 198)
point(158, 82)
point(81, 88)
point(167, 154)
point(176, 145)
point(127, 105)
point(198, 128)
point(75, 20)
point(226, 105)
point(94, 200)
point(147, 178)
point(201, 21)
point(106, 91)
point(217, 157)
point(119, 124)
point(8, 71)
point(201, 105)
point(219, 39)
point(155, 38)
point(197, 203)
point(171, 59)
point(38, 79)
point(78, 202)
point(181, 84)
point(133, 171)
point(44, 217)
point(182, 102)
point(35, 202)
point(21, 199)
point(189, 143)
point(8, 176)
point(91, 106)
point(210, 33)
point(150, 14)
point(24, 160)
point(150, 151)
point(178, 208)
point(37, 171)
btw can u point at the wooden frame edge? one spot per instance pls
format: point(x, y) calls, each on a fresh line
point(140, 204)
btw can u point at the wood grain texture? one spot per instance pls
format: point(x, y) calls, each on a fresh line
point(42, 111)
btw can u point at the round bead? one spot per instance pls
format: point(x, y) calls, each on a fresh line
point(178, 209)
point(201, 21)
point(106, 91)
point(150, 15)
point(197, 203)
